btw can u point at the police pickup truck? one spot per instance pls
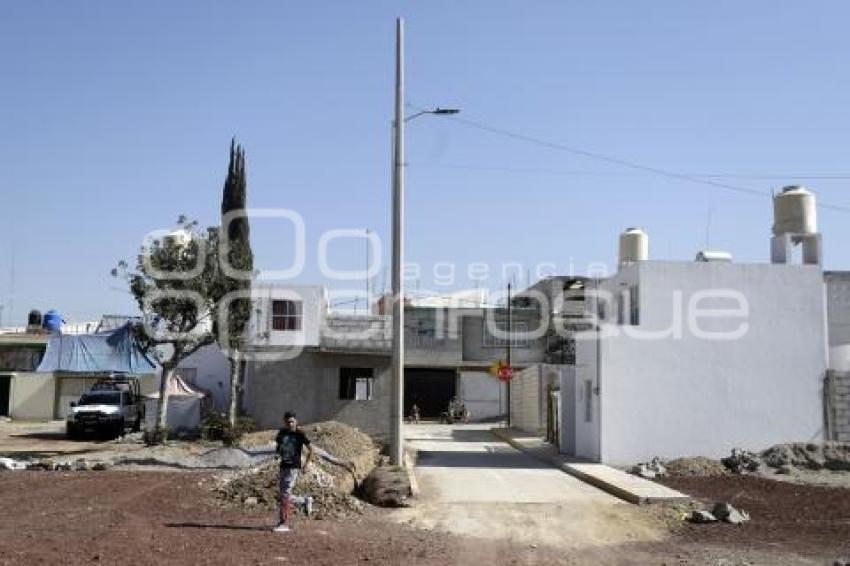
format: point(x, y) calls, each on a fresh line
point(110, 408)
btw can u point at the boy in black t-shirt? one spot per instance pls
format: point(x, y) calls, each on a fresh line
point(290, 443)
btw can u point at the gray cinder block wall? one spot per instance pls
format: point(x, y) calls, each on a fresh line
point(838, 405)
point(309, 385)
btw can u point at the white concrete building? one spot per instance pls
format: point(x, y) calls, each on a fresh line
point(696, 358)
point(703, 358)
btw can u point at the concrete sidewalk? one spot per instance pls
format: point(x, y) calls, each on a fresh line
point(626, 486)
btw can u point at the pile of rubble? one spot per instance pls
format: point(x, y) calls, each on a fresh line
point(788, 459)
point(697, 466)
point(48, 464)
point(833, 456)
point(680, 467)
point(331, 485)
point(742, 461)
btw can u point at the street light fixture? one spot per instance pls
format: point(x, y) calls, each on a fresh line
point(438, 111)
point(397, 400)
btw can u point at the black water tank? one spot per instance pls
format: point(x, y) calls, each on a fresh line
point(34, 318)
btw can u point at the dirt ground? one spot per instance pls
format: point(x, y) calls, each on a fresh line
point(168, 518)
point(807, 520)
point(173, 518)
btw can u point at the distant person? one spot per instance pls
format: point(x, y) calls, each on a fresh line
point(290, 442)
point(464, 413)
point(414, 413)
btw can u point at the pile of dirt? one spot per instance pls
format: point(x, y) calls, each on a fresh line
point(694, 466)
point(330, 484)
point(258, 488)
point(834, 456)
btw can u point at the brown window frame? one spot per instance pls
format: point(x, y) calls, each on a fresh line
point(286, 315)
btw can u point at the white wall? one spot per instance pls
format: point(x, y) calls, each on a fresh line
point(315, 308)
point(484, 395)
point(32, 396)
point(694, 396)
point(586, 413)
point(212, 374)
point(526, 411)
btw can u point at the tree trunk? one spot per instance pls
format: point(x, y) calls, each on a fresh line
point(240, 390)
point(234, 388)
point(162, 402)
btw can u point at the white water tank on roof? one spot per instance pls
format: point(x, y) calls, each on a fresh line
point(634, 245)
point(794, 211)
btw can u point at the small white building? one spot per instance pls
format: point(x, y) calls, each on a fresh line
point(705, 357)
point(696, 358)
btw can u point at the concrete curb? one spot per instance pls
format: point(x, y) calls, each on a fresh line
point(608, 486)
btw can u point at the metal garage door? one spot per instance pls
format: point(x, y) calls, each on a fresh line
point(70, 389)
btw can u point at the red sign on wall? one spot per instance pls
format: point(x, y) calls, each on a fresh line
point(506, 373)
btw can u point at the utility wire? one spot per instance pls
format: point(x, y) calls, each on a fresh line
point(623, 162)
point(592, 172)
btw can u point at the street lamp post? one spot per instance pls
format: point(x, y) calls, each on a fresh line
point(397, 407)
point(397, 400)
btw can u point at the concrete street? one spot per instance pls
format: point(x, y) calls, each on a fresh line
point(474, 484)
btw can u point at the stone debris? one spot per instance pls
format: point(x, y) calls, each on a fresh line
point(701, 517)
point(742, 461)
point(10, 464)
point(833, 456)
point(695, 466)
point(722, 511)
point(725, 512)
point(650, 470)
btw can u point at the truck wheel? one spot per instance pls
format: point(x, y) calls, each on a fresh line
point(119, 429)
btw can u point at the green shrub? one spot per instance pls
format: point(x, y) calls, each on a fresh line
point(217, 427)
point(153, 437)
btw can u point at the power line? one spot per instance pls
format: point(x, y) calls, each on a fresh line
point(709, 181)
point(591, 173)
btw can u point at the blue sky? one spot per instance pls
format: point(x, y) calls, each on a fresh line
point(116, 117)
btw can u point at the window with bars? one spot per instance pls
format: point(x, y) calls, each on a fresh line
point(287, 315)
point(355, 384)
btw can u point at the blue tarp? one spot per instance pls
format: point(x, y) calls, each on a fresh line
point(115, 351)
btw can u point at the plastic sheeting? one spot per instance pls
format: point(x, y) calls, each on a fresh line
point(183, 413)
point(107, 352)
point(185, 406)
